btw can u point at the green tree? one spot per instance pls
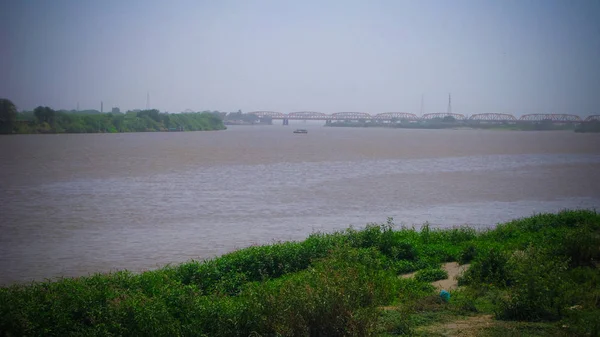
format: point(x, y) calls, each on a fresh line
point(8, 115)
point(44, 114)
point(153, 114)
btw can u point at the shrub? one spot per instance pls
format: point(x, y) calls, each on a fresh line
point(489, 267)
point(467, 254)
point(395, 322)
point(463, 300)
point(228, 273)
point(384, 239)
point(403, 250)
point(431, 275)
point(405, 266)
point(581, 247)
point(539, 289)
point(410, 288)
point(337, 297)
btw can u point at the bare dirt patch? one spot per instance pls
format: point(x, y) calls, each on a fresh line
point(454, 270)
point(470, 326)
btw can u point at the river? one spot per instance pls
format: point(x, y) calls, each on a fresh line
point(71, 205)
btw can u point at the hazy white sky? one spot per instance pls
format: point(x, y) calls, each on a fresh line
point(514, 56)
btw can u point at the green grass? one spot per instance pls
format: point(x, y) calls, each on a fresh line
point(537, 269)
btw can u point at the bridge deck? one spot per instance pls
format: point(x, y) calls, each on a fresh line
point(404, 116)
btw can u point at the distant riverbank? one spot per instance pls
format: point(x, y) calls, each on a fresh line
point(45, 120)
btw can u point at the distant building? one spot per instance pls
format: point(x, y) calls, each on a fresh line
point(116, 110)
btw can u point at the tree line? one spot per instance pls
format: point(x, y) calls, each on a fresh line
point(47, 120)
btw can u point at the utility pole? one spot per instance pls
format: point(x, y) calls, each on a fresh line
point(449, 104)
point(148, 100)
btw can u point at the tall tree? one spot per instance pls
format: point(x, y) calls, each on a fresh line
point(44, 114)
point(8, 115)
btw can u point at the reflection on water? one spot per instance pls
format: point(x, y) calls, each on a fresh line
point(161, 198)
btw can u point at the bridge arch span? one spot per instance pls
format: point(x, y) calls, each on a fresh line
point(550, 117)
point(396, 115)
point(351, 115)
point(492, 117)
point(263, 114)
point(434, 115)
point(306, 115)
point(593, 118)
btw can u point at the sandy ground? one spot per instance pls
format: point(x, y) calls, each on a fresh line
point(470, 326)
point(454, 270)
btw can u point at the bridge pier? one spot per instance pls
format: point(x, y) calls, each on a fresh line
point(286, 121)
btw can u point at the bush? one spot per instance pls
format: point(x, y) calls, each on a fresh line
point(581, 247)
point(463, 301)
point(395, 322)
point(384, 239)
point(467, 254)
point(410, 289)
point(540, 286)
point(439, 252)
point(403, 250)
point(489, 267)
point(228, 273)
point(405, 266)
point(337, 297)
point(431, 275)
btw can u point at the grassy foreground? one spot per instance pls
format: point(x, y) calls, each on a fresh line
point(532, 276)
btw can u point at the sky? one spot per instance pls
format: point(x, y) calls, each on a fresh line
point(507, 56)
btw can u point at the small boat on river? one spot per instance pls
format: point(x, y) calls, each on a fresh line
point(300, 131)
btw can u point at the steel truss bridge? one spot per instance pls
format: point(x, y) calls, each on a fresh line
point(406, 116)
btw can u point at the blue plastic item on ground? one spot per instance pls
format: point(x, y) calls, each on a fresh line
point(445, 295)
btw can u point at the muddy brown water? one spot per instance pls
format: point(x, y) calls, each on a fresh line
point(72, 205)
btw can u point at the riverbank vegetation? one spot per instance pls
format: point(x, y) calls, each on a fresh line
point(47, 120)
point(592, 126)
point(532, 276)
